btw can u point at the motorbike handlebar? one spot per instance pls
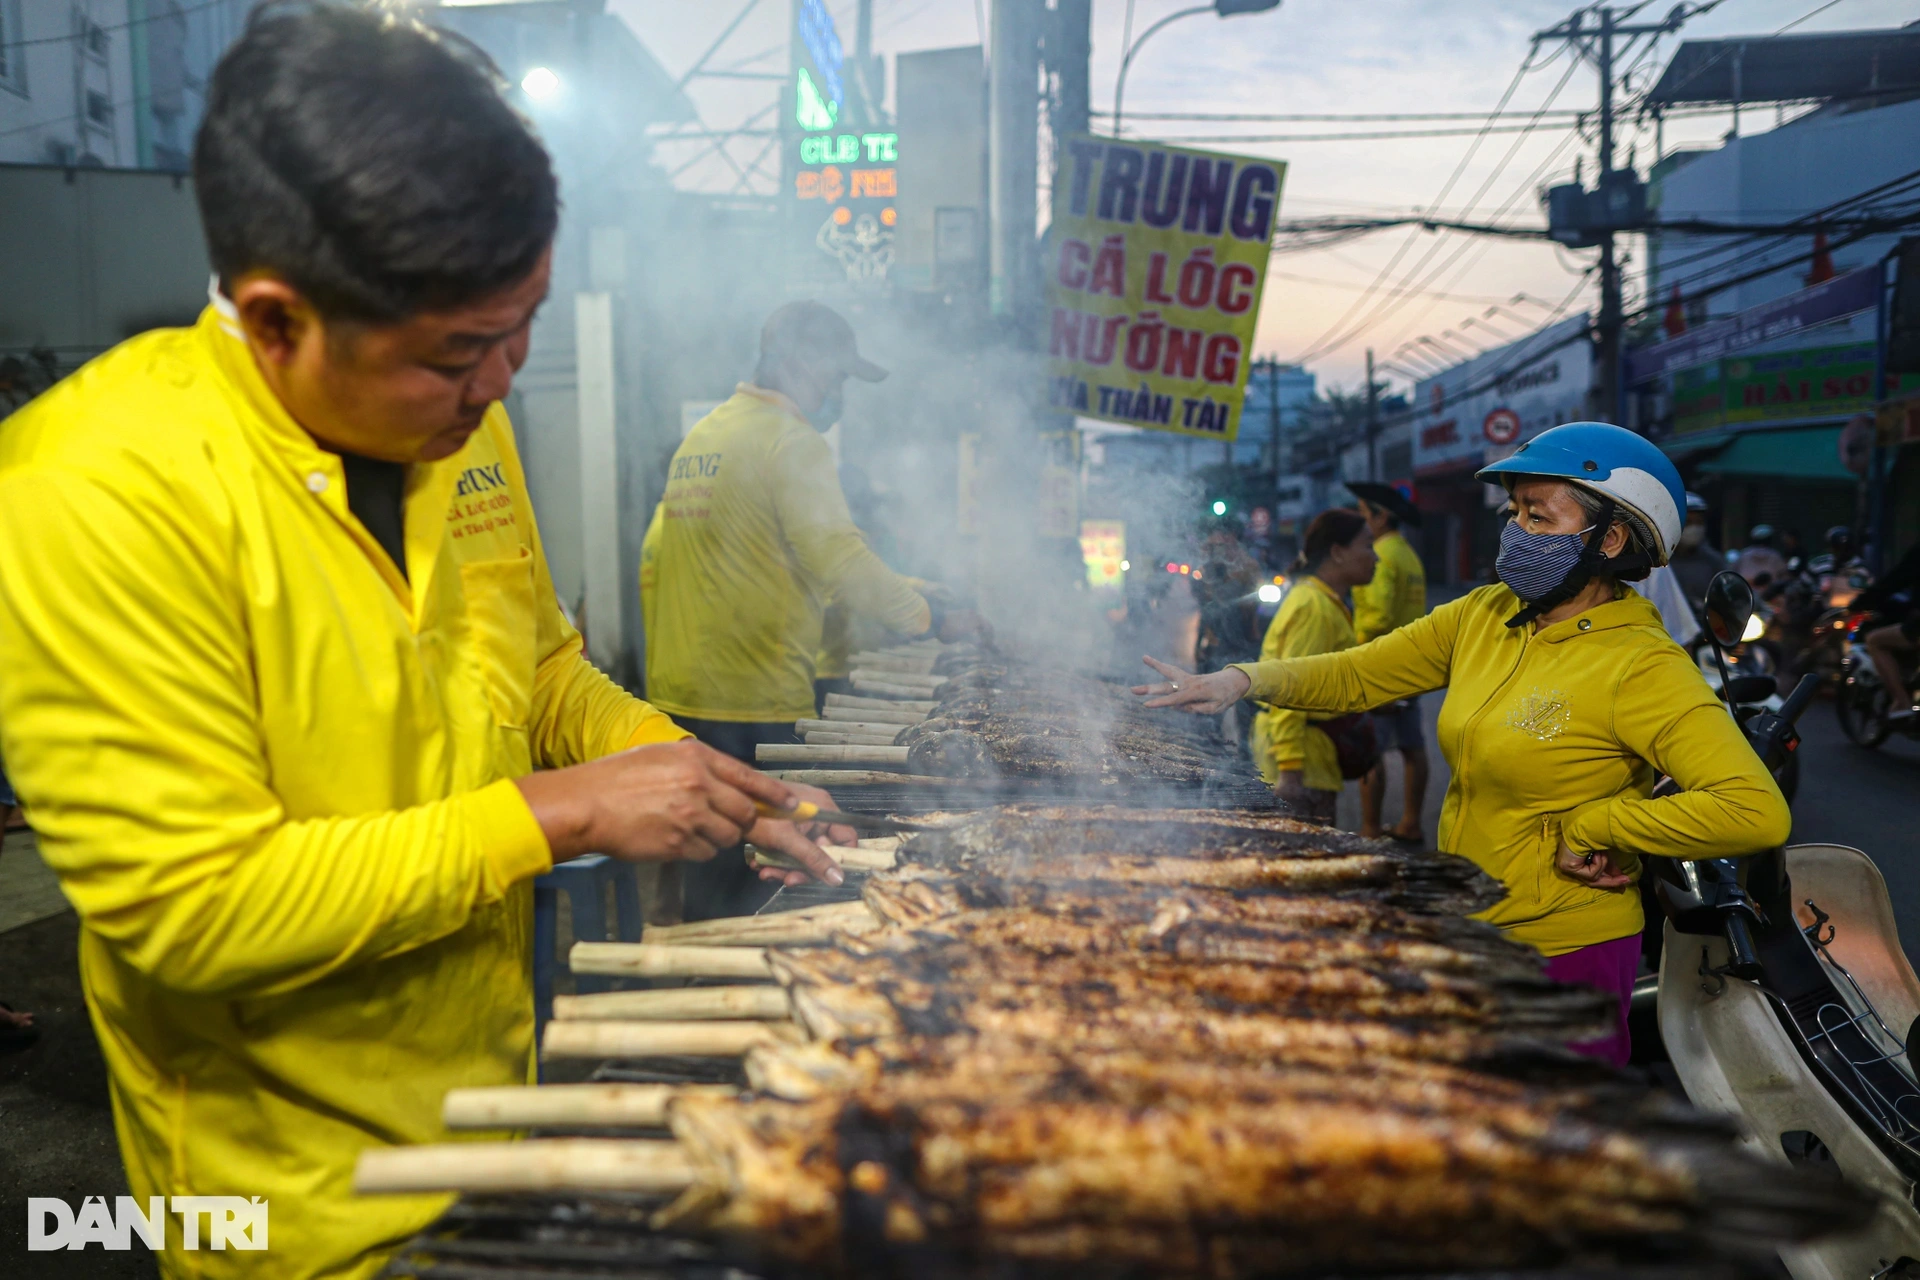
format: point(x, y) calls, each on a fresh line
point(1797, 700)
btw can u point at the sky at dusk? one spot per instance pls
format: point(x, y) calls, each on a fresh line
point(1327, 57)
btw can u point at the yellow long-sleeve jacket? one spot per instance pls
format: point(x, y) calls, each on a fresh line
point(754, 539)
point(1396, 595)
point(274, 777)
point(1558, 734)
point(1312, 619)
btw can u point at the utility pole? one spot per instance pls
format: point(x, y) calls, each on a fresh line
point(1373, 418)
point(1273, 413)
point(1596, 44)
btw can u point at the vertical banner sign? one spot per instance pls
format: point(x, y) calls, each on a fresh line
point(1158, 257)
point(1103, 547)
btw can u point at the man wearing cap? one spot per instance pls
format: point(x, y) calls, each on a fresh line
point(1396, 596)
point(753, 538)
point(1695, 562)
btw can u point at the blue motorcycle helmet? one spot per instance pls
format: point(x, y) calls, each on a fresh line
point(1613, 463)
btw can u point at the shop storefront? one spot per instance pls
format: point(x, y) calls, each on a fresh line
point(1752, 407)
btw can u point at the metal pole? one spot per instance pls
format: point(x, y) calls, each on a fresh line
point(1373, 418)
point(1877, 467)
point(1273, 414)
point(1120, 83)
point(1608, 354)
point(1014, 158)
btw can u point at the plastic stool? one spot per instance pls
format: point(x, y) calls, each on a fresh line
point(586, 881)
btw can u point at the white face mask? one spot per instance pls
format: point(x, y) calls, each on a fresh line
point(1692, 536)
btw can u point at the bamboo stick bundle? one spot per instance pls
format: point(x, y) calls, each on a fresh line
point(865, 778)
point(760, 1003)
point(883, 687)
point(617, 1106)
point(889, 660)
point(855, 702)
point(654, 960)
point(829, 738)
point(785, 753)
point(911, 679)
point(766, 931)
point(608, 1039)
point(547, 1164)
point(852, 859)
point(872, 716)
point(853, 724)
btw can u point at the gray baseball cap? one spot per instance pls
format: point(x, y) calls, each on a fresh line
point(815, 331)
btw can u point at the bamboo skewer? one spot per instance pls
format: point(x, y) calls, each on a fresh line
point(867, 683)
point(615, 1106)
point(572, 1039)
point(547, 1164)
point(844, 716)
point(827, 739)
point(879, 704)
point(853, 859)
point(871, 778)
point(853, 725)
point(652, 960)
point(684, 1004)
point(814, 924)
point(784, 753)
point(912, 679)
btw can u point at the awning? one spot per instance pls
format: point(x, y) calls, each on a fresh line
point(1808, 454)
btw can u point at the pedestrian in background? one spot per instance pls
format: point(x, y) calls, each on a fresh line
point(1297, 759)
point(1396, 596)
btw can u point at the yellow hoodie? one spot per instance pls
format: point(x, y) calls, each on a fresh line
point(1397, 593)
point(754, 537)
point(1558, 733)
point(1312, 619)
point(274, 776)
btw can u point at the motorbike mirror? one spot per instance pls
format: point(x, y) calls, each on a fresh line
point(1748, 689)
point(1729, 604)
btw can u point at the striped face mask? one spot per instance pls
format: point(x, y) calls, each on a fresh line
point(1533, 564)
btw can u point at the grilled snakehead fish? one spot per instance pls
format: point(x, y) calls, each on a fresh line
point(940, 989)
point(1302, 1180)
point(1196, 925)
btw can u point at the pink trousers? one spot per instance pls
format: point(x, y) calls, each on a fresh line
point(1612, 967)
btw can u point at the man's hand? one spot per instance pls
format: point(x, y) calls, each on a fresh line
point(1290, 788)
point(1598, 869)
point(803, 841)
point(963, 624)
point(657, 803)
point(1206, 695)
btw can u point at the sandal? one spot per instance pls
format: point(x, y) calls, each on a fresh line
point(12, 1037)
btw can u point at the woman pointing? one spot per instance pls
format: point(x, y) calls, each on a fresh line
point(1565, 700)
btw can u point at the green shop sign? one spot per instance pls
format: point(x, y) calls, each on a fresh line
point(1778, 386)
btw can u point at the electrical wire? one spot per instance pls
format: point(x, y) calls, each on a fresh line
point(1328, 342)
point(1520, 74)
point(1373, 136)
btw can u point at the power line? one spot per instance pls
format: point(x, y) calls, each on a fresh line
point(1375, 136)
point(1526, 64)
point(1327, 118)
point(1328, 342)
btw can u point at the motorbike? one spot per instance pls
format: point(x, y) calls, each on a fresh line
point(1783, 998)
point(1866, 713)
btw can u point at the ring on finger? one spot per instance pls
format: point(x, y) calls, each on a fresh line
point(1172, 687)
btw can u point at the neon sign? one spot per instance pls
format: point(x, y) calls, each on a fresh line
point(846, 148)
point(823, 46)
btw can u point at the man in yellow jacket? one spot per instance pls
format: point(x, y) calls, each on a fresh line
point(279, 654)
point(753, 539)
point(1396, 597)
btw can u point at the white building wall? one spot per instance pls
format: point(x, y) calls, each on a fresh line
point(54, 75)
point(1774, 177)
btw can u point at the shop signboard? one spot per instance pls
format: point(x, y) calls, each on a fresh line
point(1502, 398)
point(1777, 386)
point(1158, 255)
point(1769, 322)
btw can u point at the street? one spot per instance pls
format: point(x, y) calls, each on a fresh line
point(1865, 799)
